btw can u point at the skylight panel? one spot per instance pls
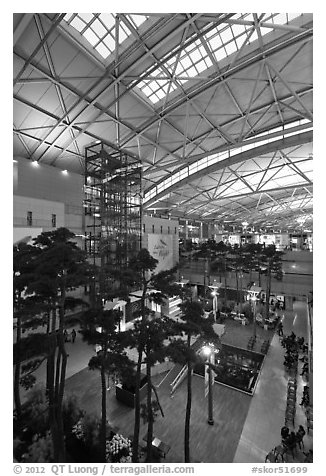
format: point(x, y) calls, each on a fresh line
point(68, 16)
point(196, 56)
point(238, 30)
point(249, 17)
point(292, 16)
point(220, 54)
point(195, 59)
point(122, 34)
point(161, 94)
point(108, 19)
point(179, 68)
point(201, 66)
point(91, 37)
point(226, 35)
point(147, 90)
point(102, 49)
point(87, 17)
point(99, 29)
point(230, 47)
point(185, 62)
point(253, 36)
point(192, 72)
point(109, 42)
point(78, 24)
point(215, 42)
point(280, 18)
point(154, 98)
point(137, 19)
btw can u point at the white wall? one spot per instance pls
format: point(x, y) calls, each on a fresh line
point(42, 211)
point(45, 190)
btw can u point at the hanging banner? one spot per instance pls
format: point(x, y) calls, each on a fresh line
point(161, 248)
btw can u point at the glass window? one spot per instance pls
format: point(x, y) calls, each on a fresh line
point(54, 220)
point(153, 229)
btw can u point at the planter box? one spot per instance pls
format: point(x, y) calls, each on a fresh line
point(126, 393)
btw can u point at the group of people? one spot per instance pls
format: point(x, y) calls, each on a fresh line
point(293, 346)
point(305, 401)
point(290, 440)
point(70, 337)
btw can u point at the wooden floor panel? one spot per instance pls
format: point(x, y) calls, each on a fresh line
point(215, 443)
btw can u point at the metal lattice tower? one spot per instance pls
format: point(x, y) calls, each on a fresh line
point(112, 207)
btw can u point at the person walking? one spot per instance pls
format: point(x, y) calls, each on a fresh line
point(280, 329)
point(73, 335)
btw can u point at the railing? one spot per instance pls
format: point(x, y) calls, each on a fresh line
point(179, 379)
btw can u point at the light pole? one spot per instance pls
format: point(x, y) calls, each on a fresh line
point(215, 287)
point(254, 299)
point(254, 292)
point(208, 351)
point(240, 276)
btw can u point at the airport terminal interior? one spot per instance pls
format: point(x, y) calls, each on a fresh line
point(163, 237)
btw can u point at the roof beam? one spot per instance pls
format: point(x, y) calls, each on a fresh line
point(21, 27)
point(290, 141)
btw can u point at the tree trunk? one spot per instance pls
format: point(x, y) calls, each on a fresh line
point(225, 297)
point(50, 376)
point(149, 414)
point(188, 411)
point(103, 414)
point(60, 379)
point(18, 406)
point(254, 320)
point(135, 442)
point(268, 291)
point(240, 293)
point(60, 394)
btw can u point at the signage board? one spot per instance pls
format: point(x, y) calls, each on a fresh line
point(161, 248)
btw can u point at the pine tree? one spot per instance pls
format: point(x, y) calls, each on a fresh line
point(154, 287)
point(59, 266)
point(100, 328)
point(271, 262)
point(193, 324)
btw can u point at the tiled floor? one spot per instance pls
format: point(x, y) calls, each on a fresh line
point(248, 435)
point(261, 431)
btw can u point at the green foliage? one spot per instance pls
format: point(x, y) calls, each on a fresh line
point(40, 451)
point(30, 347)
point(143, 262)
point(144, 411)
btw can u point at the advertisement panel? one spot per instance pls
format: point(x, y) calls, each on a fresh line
point(161, 248)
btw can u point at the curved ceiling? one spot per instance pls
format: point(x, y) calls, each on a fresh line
point(218, 107)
